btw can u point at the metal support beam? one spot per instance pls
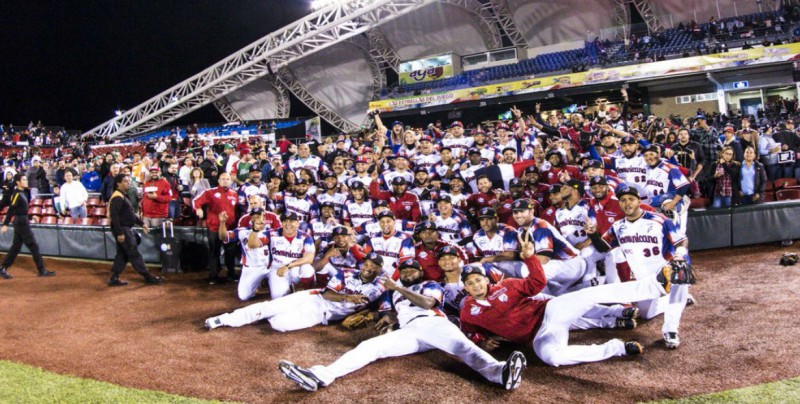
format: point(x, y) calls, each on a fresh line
point(487, 22)
point(649, 16)
point(381, 50)
point(337, 22)
point(621, 17)
point(505, 19)
point(287, 78)
point(224, 108)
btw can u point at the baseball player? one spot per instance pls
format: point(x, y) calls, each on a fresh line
point(292, 253)
point(336, 257)
point(422, 327)
point(427, 156)
point(508, 311)
point(392, 245)
point(255, 201)
point(562, 263)
point(489, 243)
point(372, 227)
point(666, 187)
point(358, 209)
point(631, 167)
point(305, 159)
point(403, 204)
point(255, 251)
point(649, 241)
point(454, 293)
point(301, 203)
point(453, 225)
point(425, 250)
point(571, 219)
point(331, 186)
point(253, 186)
point(321, 228)
point(345, 294)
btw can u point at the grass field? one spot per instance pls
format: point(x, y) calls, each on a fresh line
point(26, 384)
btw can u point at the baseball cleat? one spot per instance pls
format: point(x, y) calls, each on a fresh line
point(213, 322)
point(153, 280)
point(303, 377)
point(671, 340)
point(691, 301)
point(633, 348)
point(117, 282)
point(512, 371)
point(664, 277)
point(630, 312)
point(4, 273)
point(46, 273)
point(625, 323)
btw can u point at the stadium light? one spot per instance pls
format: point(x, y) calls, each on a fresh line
point(118, 112)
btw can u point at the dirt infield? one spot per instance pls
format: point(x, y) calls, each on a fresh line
point(152, 337)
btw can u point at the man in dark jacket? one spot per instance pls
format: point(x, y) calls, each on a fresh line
point(789, 141)
point(37, 178)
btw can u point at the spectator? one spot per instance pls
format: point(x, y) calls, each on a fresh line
point(197, 184)
point(789, 141)
point(157, 195)
point(91, 179)
point(217, 200)
point(175, 186)
point(133, 192)
point(62, 167)
point(768, 150)
point(707, 137)
point(73, 196)
point(688, 154)
point(733, 143)
point(108, 183)
point(753, 179)
point(37, 178)
point(726, 174)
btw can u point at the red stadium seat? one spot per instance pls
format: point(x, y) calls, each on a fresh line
point(103, 222)
point(770, 186)
point(86, 221)
point(781, 183)
point(36, 202)
point(98, 212)
point(47, 202)
point(35, 219)
point(34, 210)
point(5, 210)
point(66, 220)
point(787, 194)
point(769, 196)
point(699, 203)
point(93, 202)
point(49, 211)
point(49, 220)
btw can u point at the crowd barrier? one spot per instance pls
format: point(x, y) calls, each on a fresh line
point(707, 229)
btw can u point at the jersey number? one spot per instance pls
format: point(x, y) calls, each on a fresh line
point(579, 233)
point(651, 251)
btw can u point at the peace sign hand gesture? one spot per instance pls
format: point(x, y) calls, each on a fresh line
point(526, 247)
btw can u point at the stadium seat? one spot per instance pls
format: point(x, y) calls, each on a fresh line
point(4, 211)
point(47, 202)
point(35, 219)
point(66, 220)
point(98, 212)
point(49, 220)
point(787, 194)
point(769, 196)
point(770, 186)
point(49, 211)
point(34, 211)
point(36, 202)
point(781, 183)
point(699, 203)
point(93, 202)
point(86, 221)
point(103, 222)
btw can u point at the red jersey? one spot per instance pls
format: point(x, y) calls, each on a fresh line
point(481, 200)
point(549, 214)
point(430, 264)
point(404, 207)
point(217, 200)
point(159, 207)
point(508, 310)
point(552, 176)
point(537, 192)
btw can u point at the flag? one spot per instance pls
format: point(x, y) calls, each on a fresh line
point(313, 131)
point(500, 174)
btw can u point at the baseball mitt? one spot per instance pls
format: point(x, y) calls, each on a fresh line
point(789, 259)
point(359, 320)
point(682, 273)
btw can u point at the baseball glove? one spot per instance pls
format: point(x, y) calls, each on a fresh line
point(789, 259)
point(682, 273)
point(359, 320)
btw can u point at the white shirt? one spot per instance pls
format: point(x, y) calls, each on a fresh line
point(73, 195)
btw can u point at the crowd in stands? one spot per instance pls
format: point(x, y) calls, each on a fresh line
point(685, 40)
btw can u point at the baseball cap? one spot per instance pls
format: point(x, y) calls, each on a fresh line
point(328, 174)
point(521, 204)
point(426, 138)
point(487, 212)
point(446, 250)
point(385, 213)
point(501, 126)
point(420, 169)
point(468, 270)
point(729, 128)
point(613, 108)
point(556, 188)
point(532, 169)
point(357, 185)
point(399, 181)
point(594, 164)
point(444, 198)
point(374, 258)
point(410, 263)
point(512, 148)
point(626, 190)
point(256, 211)
point(326, 204)
point(456, 123)
point(380, 202)
point(301, 181)
point(597, 180)
point(552, 153)
point(255, 168)
point(398, 156)
point(362, 160)
point(577, 184)
point(700, 116)
point(459, 178)
point(290, 216)
point(653, 149)
point(514, 183)
point(426, 225)
point(339, 231)
point(155, 168)
point(395, 123)
point(628, 140)
point(474, 151)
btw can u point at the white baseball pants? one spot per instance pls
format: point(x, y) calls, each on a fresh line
point(292, 312)
point(280, 286)
point(420, 335)
point(561, 274)
point(250, 279)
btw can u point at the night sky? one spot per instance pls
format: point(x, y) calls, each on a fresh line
point(72, 63)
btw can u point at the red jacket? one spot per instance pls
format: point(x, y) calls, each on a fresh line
point(510, 313)
point(552, 176)
point(217, 200)
point(608, 211)
point(480, 200)
point(159, 207)
point(272, 220)
point(430, 264)
point(404, 207)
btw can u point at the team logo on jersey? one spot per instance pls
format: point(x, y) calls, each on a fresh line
point(423, 255)
point(503, 298)
point(475, 310)
point(480, 200)
point(217, 195)
point(611, 220)
point(408, 207)
point(507, 206)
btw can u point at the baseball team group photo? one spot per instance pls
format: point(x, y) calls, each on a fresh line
point(402, 201)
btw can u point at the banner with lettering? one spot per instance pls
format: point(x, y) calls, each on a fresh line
point(696, 64)
point(428, 74)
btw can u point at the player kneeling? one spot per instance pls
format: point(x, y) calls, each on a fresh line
point(345, 294)
point(422, 327)
point(507, 311)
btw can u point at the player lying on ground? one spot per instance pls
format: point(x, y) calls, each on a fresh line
point(422, 327)
point(345, 294)
point(507, 310)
